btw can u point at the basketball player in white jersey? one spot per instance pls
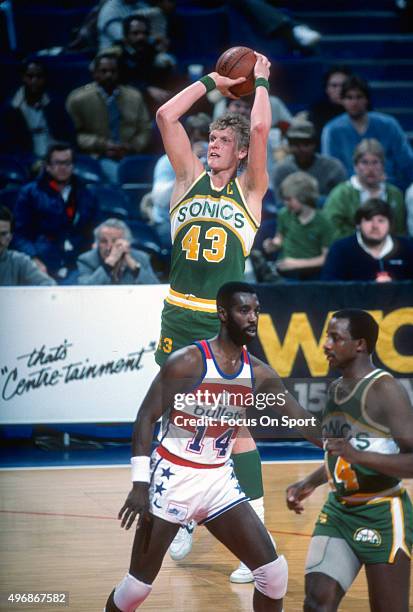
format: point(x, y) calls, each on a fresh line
point(190, 474)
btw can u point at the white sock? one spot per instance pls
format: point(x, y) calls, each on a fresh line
point(258, 507)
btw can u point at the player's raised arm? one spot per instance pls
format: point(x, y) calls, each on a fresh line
point(176, 142)
point(255, 178)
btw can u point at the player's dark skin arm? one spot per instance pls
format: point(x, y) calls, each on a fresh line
point(179, 375)
point(267, 381)
point(298, 491)
point(387, 404)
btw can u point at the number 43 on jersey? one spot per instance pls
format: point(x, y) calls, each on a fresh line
point(218, 237)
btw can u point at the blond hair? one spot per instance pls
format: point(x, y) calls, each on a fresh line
point(238, 123)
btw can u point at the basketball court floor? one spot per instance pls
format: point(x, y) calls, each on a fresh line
point(59, 533)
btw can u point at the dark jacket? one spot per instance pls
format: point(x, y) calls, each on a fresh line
point(137, 68)
point(46, 226)
point(15, 136)
point(347, 261)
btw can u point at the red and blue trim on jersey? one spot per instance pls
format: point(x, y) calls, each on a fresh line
point(208, 421)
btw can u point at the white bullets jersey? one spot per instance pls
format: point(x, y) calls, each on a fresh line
point(203, 426)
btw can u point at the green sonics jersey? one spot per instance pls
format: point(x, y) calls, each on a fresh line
point(212, 234)
point(347, 416)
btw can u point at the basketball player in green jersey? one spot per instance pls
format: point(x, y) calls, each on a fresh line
point(214, 218)
point(368, 518)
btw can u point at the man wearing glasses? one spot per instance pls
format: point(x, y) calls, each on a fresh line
point(55, 216)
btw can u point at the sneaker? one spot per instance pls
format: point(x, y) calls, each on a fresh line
point(182, 543)
point(242, 574)
point(305, 36)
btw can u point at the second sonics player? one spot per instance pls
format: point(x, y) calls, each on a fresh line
point(368, 517)
point(214, 218)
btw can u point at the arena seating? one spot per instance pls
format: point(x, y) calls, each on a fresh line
point(137, 169)
point(370, 38)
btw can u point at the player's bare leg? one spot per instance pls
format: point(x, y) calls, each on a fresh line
point(322, 593)
point(247, 468)
point(389, 584)
point(241, 531)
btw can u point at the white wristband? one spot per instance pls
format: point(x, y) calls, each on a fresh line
point(140, 469)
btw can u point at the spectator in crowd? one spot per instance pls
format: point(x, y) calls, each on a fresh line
point(281, 116)
point(111, 120)
point(113, 261)
point(16, 268)
point(301, 137)
point(54, 215)
point(367, 182)
point(303, 233)
point(140, 64)
point(31, 119)
point(409, 209)
point(372, 253)
point(85, 36)
point(331, 105)
point(113, 12)
point(270, 22)
point(341, 135)
point(197, 127)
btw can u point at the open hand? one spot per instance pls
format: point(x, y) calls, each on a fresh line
point(137, 503)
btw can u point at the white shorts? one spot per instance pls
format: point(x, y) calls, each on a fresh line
point(179, 494)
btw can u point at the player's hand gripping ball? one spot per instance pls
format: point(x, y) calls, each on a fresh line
point(238, 62)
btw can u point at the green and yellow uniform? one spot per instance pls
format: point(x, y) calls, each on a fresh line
point(369, 510)
point(212, 234)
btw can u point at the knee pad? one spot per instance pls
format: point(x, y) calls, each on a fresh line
point(130, 593)
point(272, 579)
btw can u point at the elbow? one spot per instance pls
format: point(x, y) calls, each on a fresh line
point(163, 116)
point(261, 128)
point(160, 116)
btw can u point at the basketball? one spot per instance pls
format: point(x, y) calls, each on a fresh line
point(238, 62)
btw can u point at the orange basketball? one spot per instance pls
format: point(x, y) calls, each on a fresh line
point(238, 62)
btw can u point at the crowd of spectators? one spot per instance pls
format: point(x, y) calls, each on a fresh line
point(338, 171)
point(301, 137)
point(111, 120)
point(341, 135)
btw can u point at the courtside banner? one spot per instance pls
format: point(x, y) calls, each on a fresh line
point(77, 354)
point(294, 318)
point(86, 354)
